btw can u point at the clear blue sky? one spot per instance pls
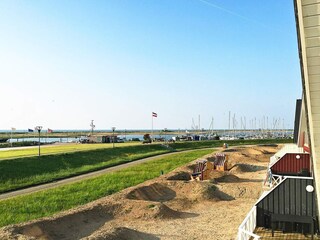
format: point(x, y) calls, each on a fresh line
point(64, 63)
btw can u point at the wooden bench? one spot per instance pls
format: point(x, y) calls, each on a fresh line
point(293, 219)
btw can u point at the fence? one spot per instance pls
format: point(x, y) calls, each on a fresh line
point(245, 231)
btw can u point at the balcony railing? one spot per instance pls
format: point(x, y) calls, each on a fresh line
point(245, 231)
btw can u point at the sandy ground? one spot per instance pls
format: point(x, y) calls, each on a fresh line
point(170, 207)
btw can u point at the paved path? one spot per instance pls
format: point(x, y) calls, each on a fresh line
point(16, 148)
point(35, 146)
point(84, 176)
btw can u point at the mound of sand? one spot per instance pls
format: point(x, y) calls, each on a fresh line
point(154, 192)
point(123, 233)
point(232, 150)
point(191, 166)
point(252, 151)
point(71, 226)
point(242, 168)
point(217, 174)
point(249, 155)
point(246, 190)
point(164, 212)
point(237, 157)
point(182, 176)
point(271, 145)
point(228, 178)
point(214, 193)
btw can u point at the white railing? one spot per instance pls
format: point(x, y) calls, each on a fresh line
point(288, 148)
point(245, 231)
point(276, 180)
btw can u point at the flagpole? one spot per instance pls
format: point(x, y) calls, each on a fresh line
point(152, 126)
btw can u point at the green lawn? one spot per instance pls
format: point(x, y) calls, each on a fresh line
point(22, 172)
point(70, 160)
point(55, 149)
point(211, 144)
point(46, 203)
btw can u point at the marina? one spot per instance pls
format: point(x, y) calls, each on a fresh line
point(171, 136)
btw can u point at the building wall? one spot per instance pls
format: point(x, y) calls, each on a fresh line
point(289, 197)
point(292, 164)
point(308, 28)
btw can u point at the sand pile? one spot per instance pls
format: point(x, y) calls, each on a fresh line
point(217, 174)
point(228, 178)
point(252, 151)
point(214, 193)
point(191, 167)
point(245, 190)
point(72, 226)
point(122, 233)
point(154, 192)
point(180, 176)
point(164, 212)
point(242, 168)
point(250, 154)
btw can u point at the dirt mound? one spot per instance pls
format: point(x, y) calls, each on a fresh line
point(232, 150)
point(189, 192)
point(242, 168)
point(249, 155)
point(123, 233)
point(155, 192)
point(270, 150)
point(191, 166)
point(214, 193)
point(213, 175)
point(253, 151)
point(238, 157)
point(273, 145)
point(182, 176)
point(244, 191)
point(164, 212)
point(192, 191)
point(71, 226)
point(8, 233)
point(228, 178)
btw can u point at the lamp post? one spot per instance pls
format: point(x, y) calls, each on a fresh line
point(38, 128)
point(92, 127)
point(113, 128)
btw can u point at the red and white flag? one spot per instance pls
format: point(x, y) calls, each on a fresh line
point(154, 114)
point(50, 130)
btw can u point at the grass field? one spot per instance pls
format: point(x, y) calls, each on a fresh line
point(209, 144)
point(46, 203)
point(179, 146)
point(22, 172)
point(55, 149)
